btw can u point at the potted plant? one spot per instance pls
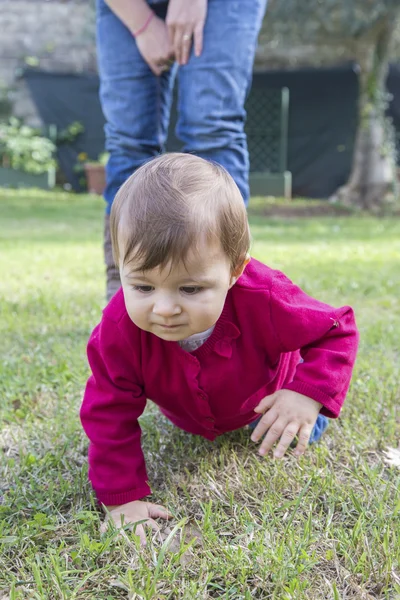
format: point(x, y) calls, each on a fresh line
point(95, 172)
point(26, 156)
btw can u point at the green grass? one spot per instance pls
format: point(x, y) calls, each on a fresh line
point(326, 527)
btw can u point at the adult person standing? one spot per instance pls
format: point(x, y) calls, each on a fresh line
point(142, 46)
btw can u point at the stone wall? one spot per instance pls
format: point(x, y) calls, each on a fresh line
point(298, 33)
point(59, 35)
point(54, 35)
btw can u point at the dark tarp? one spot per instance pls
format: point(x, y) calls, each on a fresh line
point(393, 87)
point(322, 124)
point(322, 120)
point(61, 99)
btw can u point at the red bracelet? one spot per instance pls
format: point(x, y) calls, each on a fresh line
point(143, 27)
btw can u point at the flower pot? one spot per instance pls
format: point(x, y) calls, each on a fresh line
point(95, 178)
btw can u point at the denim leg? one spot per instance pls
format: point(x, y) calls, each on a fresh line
point(213, 88)
point(320, 425)
point(135, 103)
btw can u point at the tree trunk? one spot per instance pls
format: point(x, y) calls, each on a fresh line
point(372, 182)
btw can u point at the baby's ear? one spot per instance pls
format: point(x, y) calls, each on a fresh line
point(236, 273)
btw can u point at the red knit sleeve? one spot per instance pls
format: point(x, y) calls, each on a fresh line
point(327, 338)
point(112, 403)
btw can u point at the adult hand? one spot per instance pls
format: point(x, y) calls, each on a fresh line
point(132, 512)
point(185, 21)
point(286, 414)
point(155, 47)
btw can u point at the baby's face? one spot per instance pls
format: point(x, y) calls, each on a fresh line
point(176, 303)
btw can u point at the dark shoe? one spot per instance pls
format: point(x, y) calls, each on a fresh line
point(113, 281)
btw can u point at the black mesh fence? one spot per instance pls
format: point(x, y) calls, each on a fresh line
point(322, 121)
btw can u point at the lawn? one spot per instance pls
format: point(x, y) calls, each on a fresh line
point(244, 527)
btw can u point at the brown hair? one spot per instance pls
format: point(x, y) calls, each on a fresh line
point(169, 204)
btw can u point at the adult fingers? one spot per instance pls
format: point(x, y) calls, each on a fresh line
point(186, 46)
point(286, 439)
point(171, 32)
point(274, 433)
point(177, 43)
point(182, 44)
point(198, 39)
point(161, 67)
point(265, 404)
point(304, 438)
point(162, 63)
point(170, 57)
point(263, 425)
point(156, 68)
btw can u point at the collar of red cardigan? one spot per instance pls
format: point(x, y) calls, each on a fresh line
point(223, 346)
point(220, 341)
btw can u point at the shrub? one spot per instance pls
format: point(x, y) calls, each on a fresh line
point(25, 148)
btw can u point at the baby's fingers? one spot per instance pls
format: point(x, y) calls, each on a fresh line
point(263, 425)
point(139, 530)
point(304, 438)
point(280, 429)
point(135, 528)
point(104, 526)
point(156, 511)
point(119, 522)
point(265, 404)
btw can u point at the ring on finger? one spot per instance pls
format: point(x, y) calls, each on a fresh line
point(186, 37)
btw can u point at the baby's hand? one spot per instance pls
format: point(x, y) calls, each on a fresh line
point(132, 512)
point(286, 414)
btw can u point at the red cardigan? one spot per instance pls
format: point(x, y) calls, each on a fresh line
point(266, 325)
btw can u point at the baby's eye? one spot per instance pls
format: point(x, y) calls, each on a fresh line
point(191, 289)
point(144, 289)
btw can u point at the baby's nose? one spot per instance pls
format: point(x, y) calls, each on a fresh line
point(166, 307)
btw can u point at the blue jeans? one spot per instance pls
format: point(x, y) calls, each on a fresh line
point(212, 93)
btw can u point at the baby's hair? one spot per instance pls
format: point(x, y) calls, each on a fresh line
point(170, 204)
